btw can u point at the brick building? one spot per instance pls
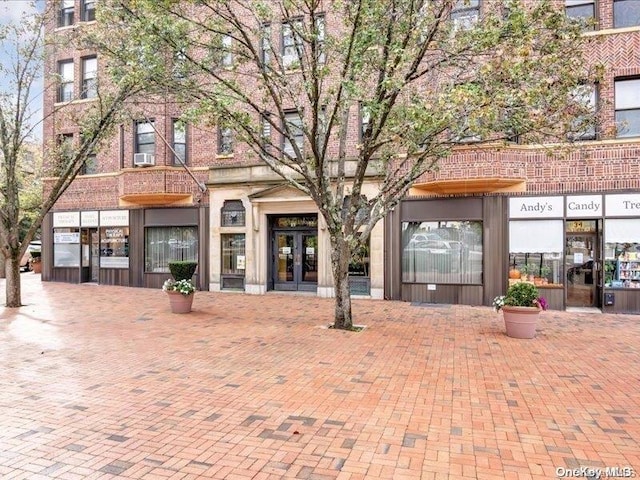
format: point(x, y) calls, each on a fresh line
point(566, 215)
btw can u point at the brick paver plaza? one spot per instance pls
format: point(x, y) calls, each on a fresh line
point(104, 382)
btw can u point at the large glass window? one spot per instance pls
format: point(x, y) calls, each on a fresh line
point(145, 138)
point(626, 13)
point(291, 43)
point(88, 10)
point(114, 247)
point(232, 213)
point(442, 252)
point(535, 250)
point(66, 247)
point(627, 100)
point(622, 253)
point(225, 141)
point(586, 97)
point(65, 72)
point(233, 261)
point(179, 142)
point(169, 244)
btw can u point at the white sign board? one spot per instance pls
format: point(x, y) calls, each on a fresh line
point(66, 237)
point(622, 205)
point(536, 207)
point(89, 219)
point(240, 262)
point(66, 219)
point(584, 206)
point(114, 218)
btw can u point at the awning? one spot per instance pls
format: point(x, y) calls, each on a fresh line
point(161, 198)
point(469, 186)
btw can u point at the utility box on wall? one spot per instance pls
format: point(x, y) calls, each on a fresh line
point(609, 299)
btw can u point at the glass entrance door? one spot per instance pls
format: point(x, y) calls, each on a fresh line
point(90, 254)
point(295, 260)
point(580, 268)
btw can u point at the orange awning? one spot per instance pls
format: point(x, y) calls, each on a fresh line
point(469, 186)
point(156, 199)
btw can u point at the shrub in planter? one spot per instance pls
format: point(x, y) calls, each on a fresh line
point(182, 270)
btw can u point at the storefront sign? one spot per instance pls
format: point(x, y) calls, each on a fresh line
point(536, 207)
point(584, 206)
point(114, 218)
point(623, 205)
point(89, 219)
point(66, 237)
point(66, 219)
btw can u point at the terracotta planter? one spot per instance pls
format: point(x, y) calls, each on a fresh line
point(520, 321)
point(36, 267)
point(180, 303)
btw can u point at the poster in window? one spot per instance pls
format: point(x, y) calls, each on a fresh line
point(240, 262)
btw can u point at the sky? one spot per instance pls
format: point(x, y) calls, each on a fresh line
point(12, 11)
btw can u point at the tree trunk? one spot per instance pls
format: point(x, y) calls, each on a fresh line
point(340, 258)
point(12, 271)
point(3, 263)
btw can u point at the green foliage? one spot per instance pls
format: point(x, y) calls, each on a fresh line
point(522, 294)
point(182, 270)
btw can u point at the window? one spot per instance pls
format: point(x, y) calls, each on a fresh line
point(465, 14)
point(179, 142)
point(291, 44)
point(232, 213)
point(169, 244)
point(88, 11)
point(65, 15)
point(90, 166)
point(65, 72)
point(293, 132)
point(627, 103)
point(145, 138)
point(265, 134)
point(626, 13)
point(225, 141)
point(114, 247)
point(365, 119)
point(622, 253)
point(586, 97)
point(359, 271)
point(581, 10)
point(233, 261)
point(64, 153)
point(442, 252)
point(66, 247)
point(89, 77)
point(535, 248)
point(227, 54)
point(320, 33)
point(265, 45)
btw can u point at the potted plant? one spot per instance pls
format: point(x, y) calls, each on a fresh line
point(180, 289)
point(528, 271)
point(521, 307)
point(36, 262)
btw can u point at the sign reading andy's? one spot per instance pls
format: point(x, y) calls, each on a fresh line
point(536, 207)
point(623, 205)
point(584, 206)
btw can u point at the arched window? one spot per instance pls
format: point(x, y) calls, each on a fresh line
point(233, 213)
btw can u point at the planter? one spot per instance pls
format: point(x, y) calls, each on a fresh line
point(180, 303)
point(520, 321)
point(36, 267)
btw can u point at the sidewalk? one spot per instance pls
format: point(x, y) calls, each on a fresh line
point(104, 382)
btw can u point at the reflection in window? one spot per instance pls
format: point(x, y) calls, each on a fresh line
point(233, 261)
point(626, 13)
point(169, 244)
point(627, 104)
point(535, 250)
point(581, 10)
point(66, 247)
point(114, 247)
point(442, 252)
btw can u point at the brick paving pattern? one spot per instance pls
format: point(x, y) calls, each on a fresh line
point(104, 382)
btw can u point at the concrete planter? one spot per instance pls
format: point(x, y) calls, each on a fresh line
point(521, 322)
point(180, 303)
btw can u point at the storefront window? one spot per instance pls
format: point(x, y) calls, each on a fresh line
point(66, 247)
point(359, 276)
point(442, 252)
point(114, 247)
point(233, 261)
point(622, 253)
point(169, 244)
point(536, 251)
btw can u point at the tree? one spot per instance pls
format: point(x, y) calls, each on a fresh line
point(24, 47)
point(425, 75)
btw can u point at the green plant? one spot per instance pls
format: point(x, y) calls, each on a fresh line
point(545, 271)
point(522, 294)
point(35, 257)
point(185, 287)
point(529, 269)
point(182, 270)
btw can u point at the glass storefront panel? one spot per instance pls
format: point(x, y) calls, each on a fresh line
point(535, 251)
point(114, 247)
point(66, 247)
point(622, 253)
point(442, 252)
point(169, 244)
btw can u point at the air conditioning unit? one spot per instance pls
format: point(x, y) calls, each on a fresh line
point(143, 159)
